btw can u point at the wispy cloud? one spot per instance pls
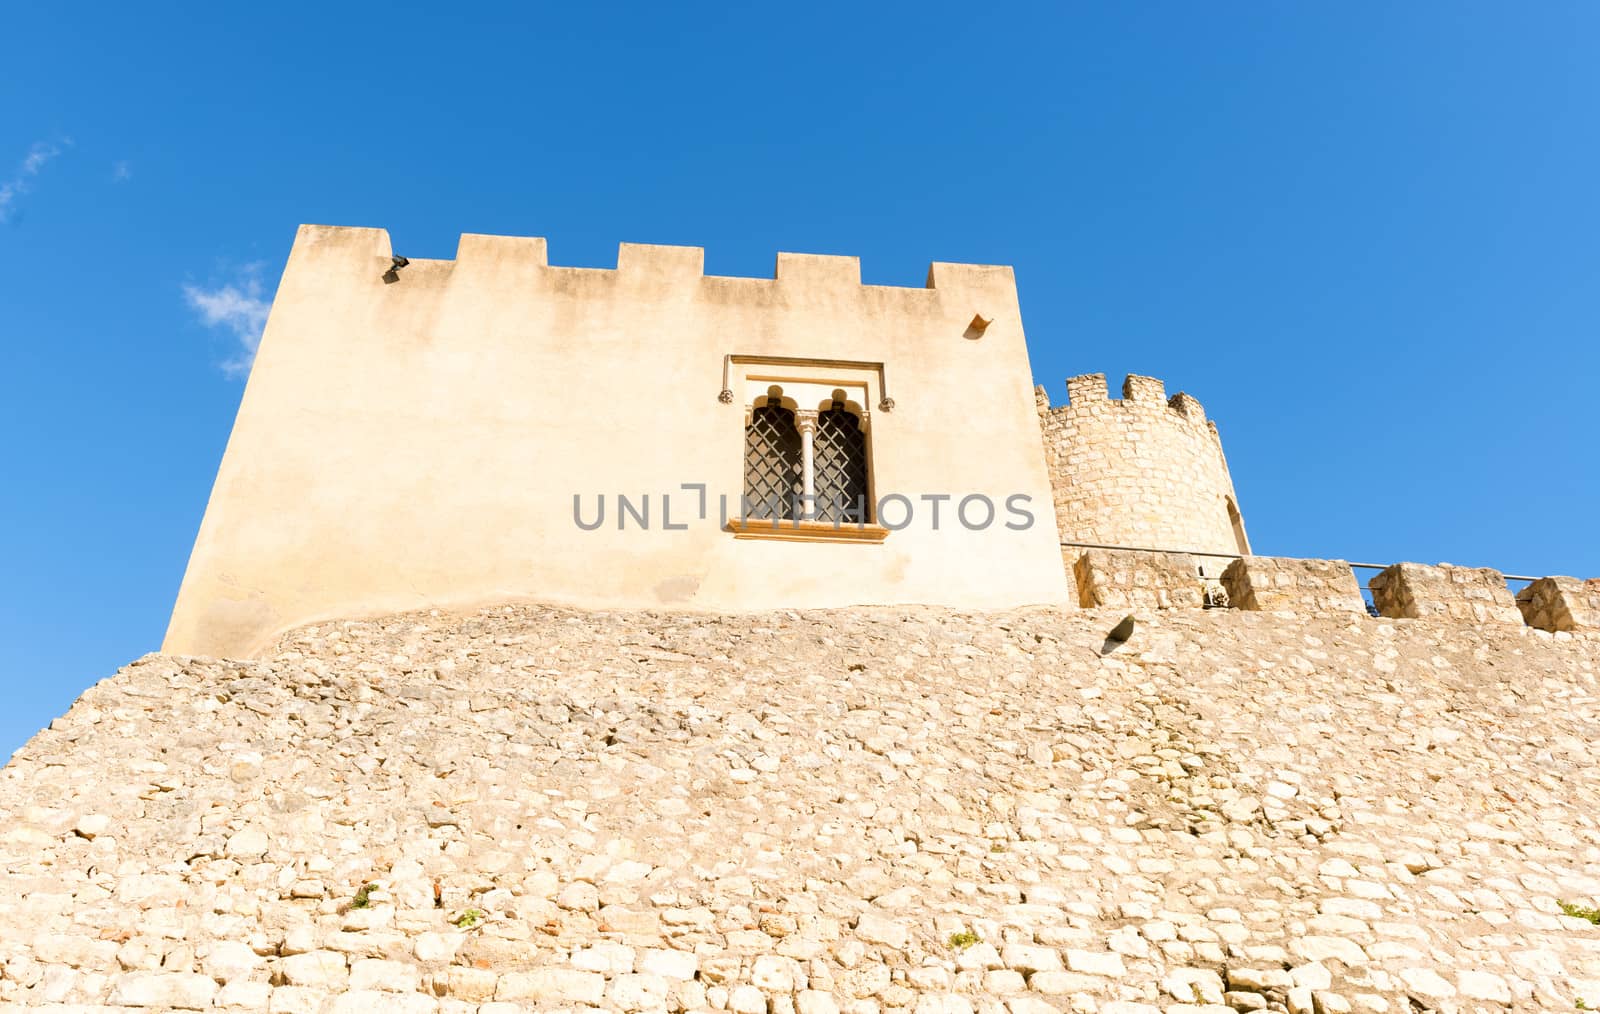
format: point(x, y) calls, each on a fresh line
point(121, 171)
point(236, 307)
point(21, 181)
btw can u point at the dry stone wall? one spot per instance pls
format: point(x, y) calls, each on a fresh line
point(1561, 603)
point(1143, 472)
point(872, 810)
point(1420, 591)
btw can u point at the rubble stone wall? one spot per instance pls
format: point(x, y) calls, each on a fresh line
point(862, 810)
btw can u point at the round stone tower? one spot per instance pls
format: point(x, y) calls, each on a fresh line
point(1143, 472)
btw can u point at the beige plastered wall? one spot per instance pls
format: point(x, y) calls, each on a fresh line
point(418, 444)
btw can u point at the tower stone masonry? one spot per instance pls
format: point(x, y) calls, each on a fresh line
point(1146, 471)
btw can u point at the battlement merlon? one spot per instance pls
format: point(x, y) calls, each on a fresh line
point(1187, 406)
point(363, 250)
point(1086, 389)
point(1090, 388)
point(1137, 388)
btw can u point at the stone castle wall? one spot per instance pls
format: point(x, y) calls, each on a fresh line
point(1142, 472)
point(865, 810)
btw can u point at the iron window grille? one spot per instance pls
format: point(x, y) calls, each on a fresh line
point(839, 461)
point(773, 479)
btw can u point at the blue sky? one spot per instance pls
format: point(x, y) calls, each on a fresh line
point(1363, 235)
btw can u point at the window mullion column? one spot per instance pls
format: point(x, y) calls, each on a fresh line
point(806, 420)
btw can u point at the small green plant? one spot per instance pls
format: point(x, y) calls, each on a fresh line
point(468, 919)
point(363, 898)
point(1579, 912)
point(962, 940)
point(1578, 1003)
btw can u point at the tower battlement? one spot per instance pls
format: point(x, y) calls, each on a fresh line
point(506, 257)
point(1090, 389)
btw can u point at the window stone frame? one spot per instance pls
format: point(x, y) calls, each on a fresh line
point(810, 386)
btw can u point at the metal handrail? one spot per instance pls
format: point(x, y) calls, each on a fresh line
point(1149, 549)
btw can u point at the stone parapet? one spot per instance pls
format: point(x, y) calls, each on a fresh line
point(1418, 591)
point(1561, 603)
point(1274, 583)
point(1128, 579)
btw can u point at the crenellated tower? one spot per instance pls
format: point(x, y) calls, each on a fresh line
point(1144, 471)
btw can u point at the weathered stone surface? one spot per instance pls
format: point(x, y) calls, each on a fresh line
point(316, 969)
point(390, 976)
point(181, 990)
point(669, 964)
point(1465, 594)
point(552, 985)
point(1275, 583)
point(870, 809)
point(875, 929)
point(1561, 603)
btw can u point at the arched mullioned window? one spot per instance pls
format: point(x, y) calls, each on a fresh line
point(773, 470)
point(840, 467)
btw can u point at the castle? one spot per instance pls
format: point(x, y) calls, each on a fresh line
point(478, 805)
point(430, 433)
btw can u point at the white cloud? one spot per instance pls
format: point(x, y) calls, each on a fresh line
point(37, 156)
point(121, 170)
point(237, 307)
point(21, 181)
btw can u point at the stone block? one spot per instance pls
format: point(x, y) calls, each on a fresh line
point(1561, 603)
point(1130, 579)
point(553, 986)
point(1273, 583)
point(1469, 594)
point(171, 990)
